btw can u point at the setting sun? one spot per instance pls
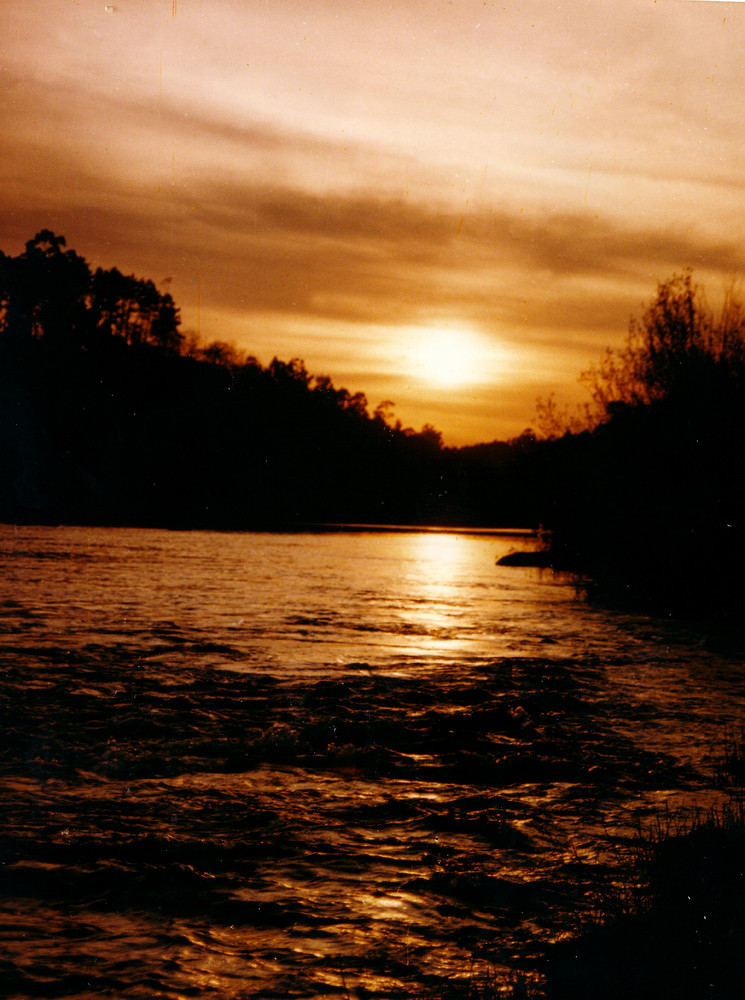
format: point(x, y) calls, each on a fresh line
point(448, 356)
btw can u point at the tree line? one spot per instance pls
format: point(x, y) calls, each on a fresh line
point(50, 292)
point(109, 414)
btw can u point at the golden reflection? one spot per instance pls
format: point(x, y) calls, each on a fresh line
point(442, 549)
point(440, 560)
point(384, 904)
point(437, 562)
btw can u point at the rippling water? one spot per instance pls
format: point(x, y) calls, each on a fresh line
point(339, 764)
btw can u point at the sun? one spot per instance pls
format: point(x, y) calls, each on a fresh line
point(448, 356)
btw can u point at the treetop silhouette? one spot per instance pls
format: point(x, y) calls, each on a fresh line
point(49, 292)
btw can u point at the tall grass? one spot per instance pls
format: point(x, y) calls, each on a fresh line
point(675, 930)
point(671, 927)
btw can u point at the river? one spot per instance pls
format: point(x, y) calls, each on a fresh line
point(343, 763)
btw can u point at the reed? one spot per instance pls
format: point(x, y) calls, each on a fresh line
point(675, 931)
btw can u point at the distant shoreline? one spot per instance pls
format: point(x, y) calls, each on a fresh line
point(416, 529)
point(315, 528)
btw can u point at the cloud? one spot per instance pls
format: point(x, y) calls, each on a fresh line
point(363, 257)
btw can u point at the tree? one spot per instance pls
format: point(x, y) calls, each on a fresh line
point(133, 308)
point(680, 350)
point(44, 292)
point(677, 349)
point(219, 352)
point(164, 330)
point(289, 372)
point(653, 500)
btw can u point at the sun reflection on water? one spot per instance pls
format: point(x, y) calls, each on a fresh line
point(437, 563)
point(440, 554)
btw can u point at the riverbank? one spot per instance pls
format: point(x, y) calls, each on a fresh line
point(677, 934)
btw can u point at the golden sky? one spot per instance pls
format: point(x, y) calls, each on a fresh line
point(452, 205)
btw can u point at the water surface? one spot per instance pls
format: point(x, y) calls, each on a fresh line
point(338, 764)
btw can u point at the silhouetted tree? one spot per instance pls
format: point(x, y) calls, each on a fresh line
point(219, 352)
point(675, 350)
point(652, 502)
point(133, 308)
point(44, 292)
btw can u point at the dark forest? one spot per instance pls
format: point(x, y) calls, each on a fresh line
point(111, 416)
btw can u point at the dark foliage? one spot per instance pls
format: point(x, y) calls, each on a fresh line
point(49, 293)
point(650, 505)
point(107, 416)
point(681, 938)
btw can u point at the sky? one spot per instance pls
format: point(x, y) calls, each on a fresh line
point(456, 206)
